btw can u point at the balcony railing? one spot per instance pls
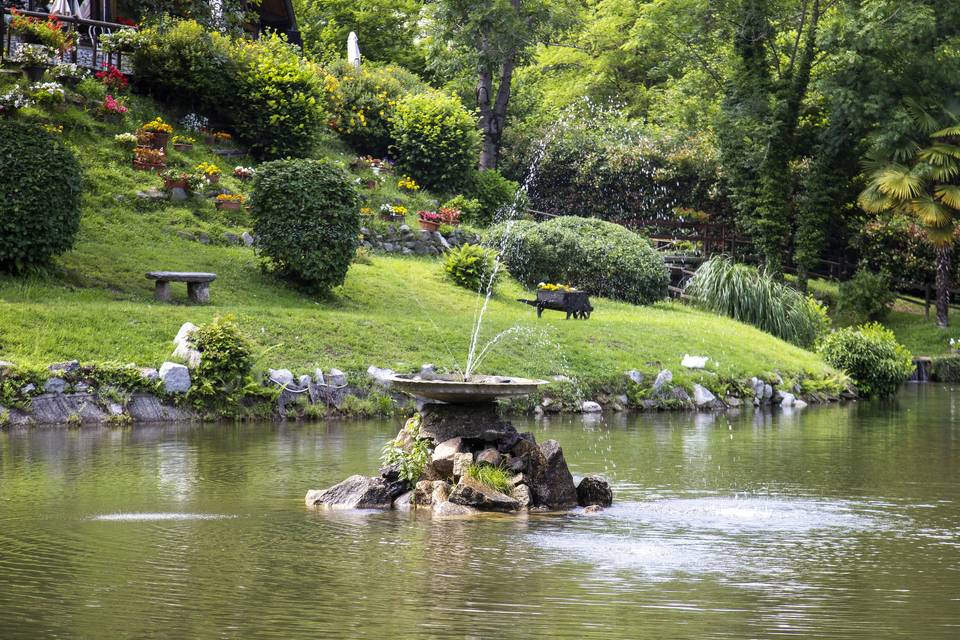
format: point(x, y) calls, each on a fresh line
point(86, 51)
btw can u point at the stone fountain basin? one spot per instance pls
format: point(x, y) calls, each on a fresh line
point(478, 389)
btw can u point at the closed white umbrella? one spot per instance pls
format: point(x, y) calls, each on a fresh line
point(63, 8)
point(353, 50)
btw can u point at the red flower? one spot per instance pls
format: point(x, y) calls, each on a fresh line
point(113, 78)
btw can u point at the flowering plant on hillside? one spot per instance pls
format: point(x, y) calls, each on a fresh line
point(408, 184)
point(69, 70)
point(230, 197)
point(125, 139)
point(182, 140)
point(194, 122)
point(47, 92)
point(208, 169)
point(157, 125)
point(546, 286)
point(121, 40)
point(244, 173)
point(12, 100)
point(222, 136)
point(112, 78)
point(112, 105)
point(33, 55)
point(449, 215)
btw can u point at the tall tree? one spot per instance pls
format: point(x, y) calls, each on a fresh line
point(497, 36)
point(761, 112)
point(920, 176)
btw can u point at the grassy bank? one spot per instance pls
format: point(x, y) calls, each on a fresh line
point(95, 304)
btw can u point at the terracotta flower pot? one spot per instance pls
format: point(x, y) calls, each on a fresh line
point(174, 184)
point(147, 166)
point(155, 139)
point(213, 178)
point(180, 146)
point(228, 205)
point(392, 217)
point(428, 226)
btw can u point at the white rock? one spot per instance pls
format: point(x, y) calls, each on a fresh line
point(767, 392)
point(635, 376)
point(702, 396)
point(381, 377)
point(787, 399)
point(304, 381)
point(336, 378)
point(176, 377)
point(591, 407)
point(799, 404)
point(694, 362)
point(280, 376)
point(55, 385)
point(182, 349)
point(318, 376)
point(663, 378)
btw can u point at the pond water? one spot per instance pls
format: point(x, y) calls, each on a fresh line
point(832, 522)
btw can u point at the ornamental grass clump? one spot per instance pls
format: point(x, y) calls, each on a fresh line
point(749, 295)
point(306, 221)
point(497, 478)
point(871, 356)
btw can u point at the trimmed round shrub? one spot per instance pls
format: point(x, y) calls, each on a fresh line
point(871, 356)
point(471, 266)
point(435, 140)
point(40, 185)
point(600, 257)
point(306, 220)
point(493, 191)
point(361, 103)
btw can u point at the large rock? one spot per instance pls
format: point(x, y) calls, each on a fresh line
point(551, 480)
point(182, 349)
point(55, 385)
point(479, 423)
point(489, 456)
point(594, 490)
point(422, 494)
point(521, 493)
point(471, 493)
point(461, 462)
point(175, 377)
point(663, 378)
point(441, 491)
point(443, 455)
point(452, 510)
point(702, 396)
point(283, 377)
point(356, 492)
point(591, 407)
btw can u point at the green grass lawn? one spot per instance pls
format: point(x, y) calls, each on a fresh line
point(96, 305)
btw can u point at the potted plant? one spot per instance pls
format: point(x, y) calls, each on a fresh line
point(244, 173)
point(119, 41)
point(229, 201)
point(114, 110)
point(69, 74)
point(13, 100)
point(406, 183)
point(148, 159)
point(112, 79)
point(126, 140)
point(174, 179)
point(222, 138)
point(155, 134)
point(210, 172)
point(449, 215)
point(429, 221)
point(393, 212)
point(33, 59)
point(49, 32)
point(183, 143)
point(48, 94)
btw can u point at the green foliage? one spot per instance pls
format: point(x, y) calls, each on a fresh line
point(234, 15)
point(306, 221)
point(946, 369)
point(496, 478)
point(183, 63)
point(40, 184)
point(493, 192)
point(866, 296)
point(898, 246)
point(471, 266)
point(388, 30)
point(14, 386)
point(609, 167)
point(275, 98)
point(408, 452)
point(225, 362)
point(744, 293)
point(361, 102)
point(435, 140)
point(599, 257)
point(92, 89)
point(872, 357)
point(469, 208)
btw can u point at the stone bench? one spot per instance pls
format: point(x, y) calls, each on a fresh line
point(198, 284)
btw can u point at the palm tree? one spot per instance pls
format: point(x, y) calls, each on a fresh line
point(919, 174)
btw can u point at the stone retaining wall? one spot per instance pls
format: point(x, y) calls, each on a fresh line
point(406, 241)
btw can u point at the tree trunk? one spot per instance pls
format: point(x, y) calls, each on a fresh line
point(493, 117)
point(944, 258)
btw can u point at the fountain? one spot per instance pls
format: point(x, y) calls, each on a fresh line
point(444, 457)
point(441, 455)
